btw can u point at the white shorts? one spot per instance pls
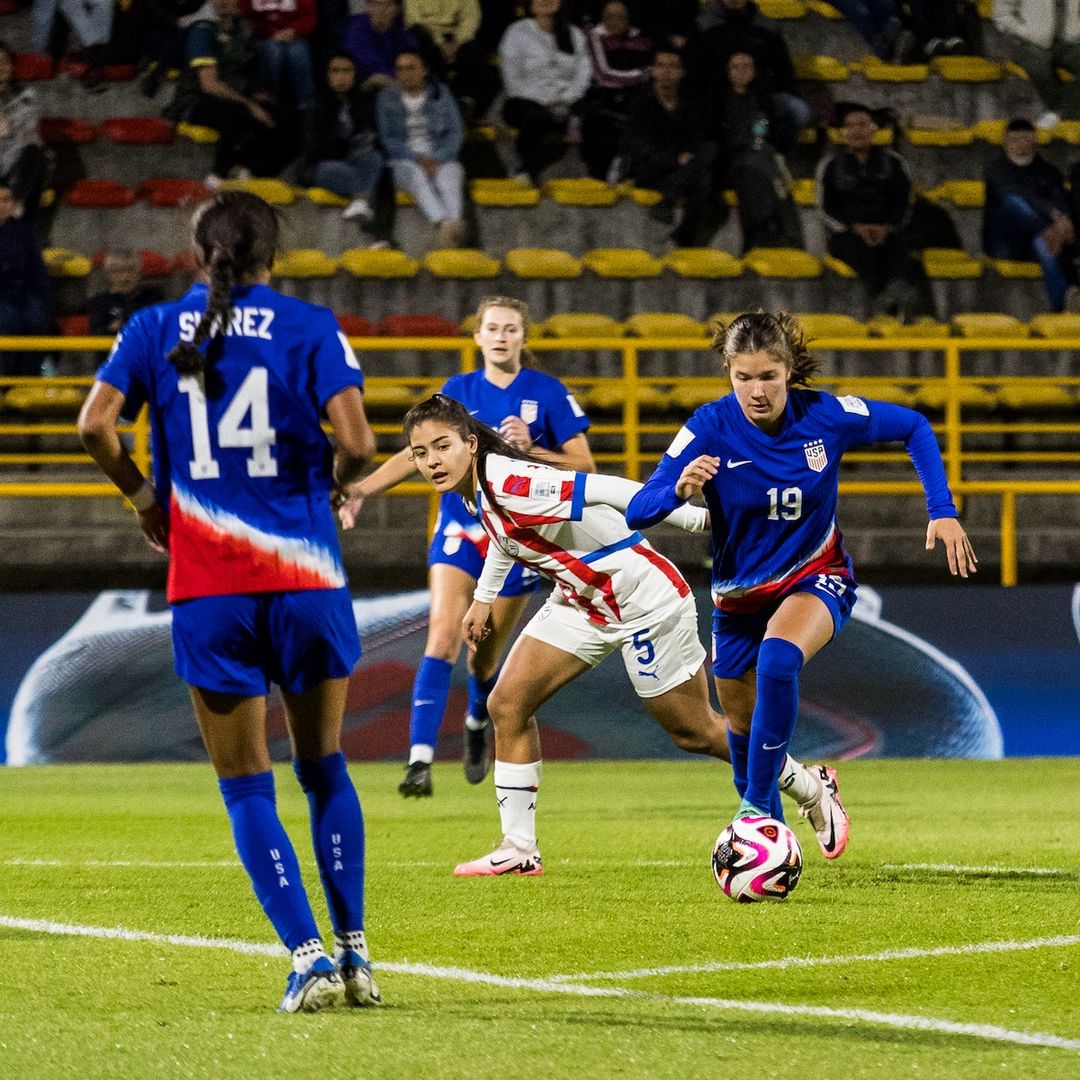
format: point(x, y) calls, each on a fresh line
point(659, 654)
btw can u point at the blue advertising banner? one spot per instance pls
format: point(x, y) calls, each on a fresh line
point(953, 671)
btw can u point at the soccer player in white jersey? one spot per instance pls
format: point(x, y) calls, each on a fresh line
point(766, 458)
point(614, 592)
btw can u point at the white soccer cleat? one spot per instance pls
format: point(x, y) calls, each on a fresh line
point(320, 987)
point(507, 858)
point(826, 813)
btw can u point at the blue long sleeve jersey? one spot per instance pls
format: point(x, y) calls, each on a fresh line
point(772, 504)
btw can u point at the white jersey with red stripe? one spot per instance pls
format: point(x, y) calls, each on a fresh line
point(540, 517)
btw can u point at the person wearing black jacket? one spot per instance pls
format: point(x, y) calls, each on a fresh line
point(1026, 215)
point(24, 286)
point(665, 148)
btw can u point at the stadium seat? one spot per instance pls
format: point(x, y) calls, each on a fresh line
point(546, 264)
point(622, 263)
point(197, 133)
point(953, 135)
point(504, 193)
point(782, 263)
point(782, 9)
point(968, 69)
point(66, 130)
point(642, 196)
point(582, 191)
point(73, 325)
point(581, 324)
point(950, 264)
point(686, 397)
point(138, 130)
point(1067, 131)
point(885, 326)
point(62, 263)
point(173, 192)
point(993, 132)
point(154, 264)
point(33, 67)
point(875, 70)
point(704, 263)
point(322, 197)
point(804, 192)
point(363, 263)
point(1014, 270)
point(991, 324)
point(388, 397)
point(825, 325)
point(275, 192)
point(610, 397)
point(99, 195)
point(461, 263)
point(416, 326)
point(893, 393)
point(46, 400)
point(403, 199)
point(1038, 397)
point(838, 267)
point(355, 325)
point(966, 193)
point(826, 11)
point(664, 325)
point(1055, 324)
point(820, 69)
point(305, 263)
point(971, 396)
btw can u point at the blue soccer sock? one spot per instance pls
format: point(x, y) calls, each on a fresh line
point(337, 834)
point(773, 722)
point(479, 689)
point(268, 856)
point(739, 745)
point(431, 691)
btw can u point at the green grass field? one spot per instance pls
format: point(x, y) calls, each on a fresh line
point(945, 943)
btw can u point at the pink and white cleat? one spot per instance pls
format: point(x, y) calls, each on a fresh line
point(826, 814)
point(507, 858)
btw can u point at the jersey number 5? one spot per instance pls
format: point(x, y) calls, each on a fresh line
point(251, 401)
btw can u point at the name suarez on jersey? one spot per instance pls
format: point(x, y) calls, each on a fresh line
point(251, 322)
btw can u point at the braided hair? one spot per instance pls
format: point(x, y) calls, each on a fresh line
point(235, 235)
point(779, 334)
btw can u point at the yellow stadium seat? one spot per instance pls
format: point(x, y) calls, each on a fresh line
point(1056, 325)
point(886, 326)
point(686, 397)
point(583, 191)
point(275, 192)
point(1040, 396)
point(890, 392)
point(504, 193)
point(782, 263)
point(826, 11)
point(970, 193)
point(875, 70)
point(703, 263)
point(1066, 131)
point(196, 133)
point(952, 135)
point(826, 325)
point(574, 324)
point(363, 263)
point(882, 137)
point(48, 197)
point(548, 264)
point(782, 9)
point(388, 397)
point(804, 192)
point(45, 400)
point(970, 69)
point(664, 325)
point(461, 263)
point(305, 263)
point(839, 267)
point(63, 263)
point(950, 264)
point(815, 68)
point(989, 324)
point(993, 132)
point(403, 198)
point(970, 396)
point(643, 196)
point(610, 397)
point(622, 263)
point(488, 133)
point(1015, 269)
point(321, 197)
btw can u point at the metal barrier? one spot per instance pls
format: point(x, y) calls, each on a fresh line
point(631, 428)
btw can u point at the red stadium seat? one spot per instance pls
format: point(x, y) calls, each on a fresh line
point(417, 326)
point(33, 67)
point(74, 325)
point(139, 130)
point(173, 192)
point(154, 264)
point(355, 325)
point(56, 130)
point(99, 194)
point(185, 262)
point(8, 7)
point(119, 72)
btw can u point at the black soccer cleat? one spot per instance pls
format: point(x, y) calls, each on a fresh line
point(417, 782)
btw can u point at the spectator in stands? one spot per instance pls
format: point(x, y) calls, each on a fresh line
point(109, 310)
point(217, 88)
point(937, 26)
point(864, 195)
point(165, 41)
point(22, 160)
point(281, 29)
point(91, 23)
point(731, 26)
point(24, 286)
point(878, 21)
point(1026, 215)
point(545, 71)
point(1048, 49)
point(754, 168)
point(421, 129)
point(375, 39)
point(620, 54)
point(343, 153)
point(666, 148)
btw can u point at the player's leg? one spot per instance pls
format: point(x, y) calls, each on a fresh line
point(483, 671)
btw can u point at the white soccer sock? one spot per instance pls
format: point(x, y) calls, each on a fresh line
point(305, 954)
point(355, 940)
point(515, 788)
point(422, 752)
point(798, 782)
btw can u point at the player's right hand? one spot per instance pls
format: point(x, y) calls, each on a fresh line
point(696, 475)
point(155, 527)
point(347, 502)
point(476, 624)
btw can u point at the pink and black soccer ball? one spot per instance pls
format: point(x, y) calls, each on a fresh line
point(757, 858)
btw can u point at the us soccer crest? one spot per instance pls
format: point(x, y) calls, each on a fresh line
point(530, 410)
point(816, 457)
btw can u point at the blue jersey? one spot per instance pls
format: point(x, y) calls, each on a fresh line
point(772, 503)
point(240, 458)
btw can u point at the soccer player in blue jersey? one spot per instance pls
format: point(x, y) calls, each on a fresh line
point(536, 414)
point(766, 459)
point(238, 379)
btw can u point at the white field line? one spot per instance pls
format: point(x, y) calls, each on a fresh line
point(992, 1032)
point(790, 962)
point(953, 868)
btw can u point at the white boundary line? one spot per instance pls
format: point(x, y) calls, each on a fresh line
point(953, 868)
point(992, 1032)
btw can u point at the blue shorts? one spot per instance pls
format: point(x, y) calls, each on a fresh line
point(737, 637)
point(458, 541)
point(240, 644)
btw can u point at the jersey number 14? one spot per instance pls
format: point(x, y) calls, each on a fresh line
point(250, 403)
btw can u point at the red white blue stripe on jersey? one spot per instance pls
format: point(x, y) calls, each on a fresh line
point(215, 553)
point(828, 557)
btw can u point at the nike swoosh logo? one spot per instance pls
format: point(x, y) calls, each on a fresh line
point(766, 746)
point(735, 464)
point(423, 701)
point(832, 836)
point(500, 862)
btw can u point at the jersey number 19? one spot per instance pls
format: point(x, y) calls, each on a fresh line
point(250, 402)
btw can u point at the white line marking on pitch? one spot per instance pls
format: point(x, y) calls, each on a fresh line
point(903, 1022)
point(785, 962)
point(953, 868)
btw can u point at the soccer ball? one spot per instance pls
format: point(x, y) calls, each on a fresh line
point(757, 858)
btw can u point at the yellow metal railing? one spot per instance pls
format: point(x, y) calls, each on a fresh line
point(631, 429)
